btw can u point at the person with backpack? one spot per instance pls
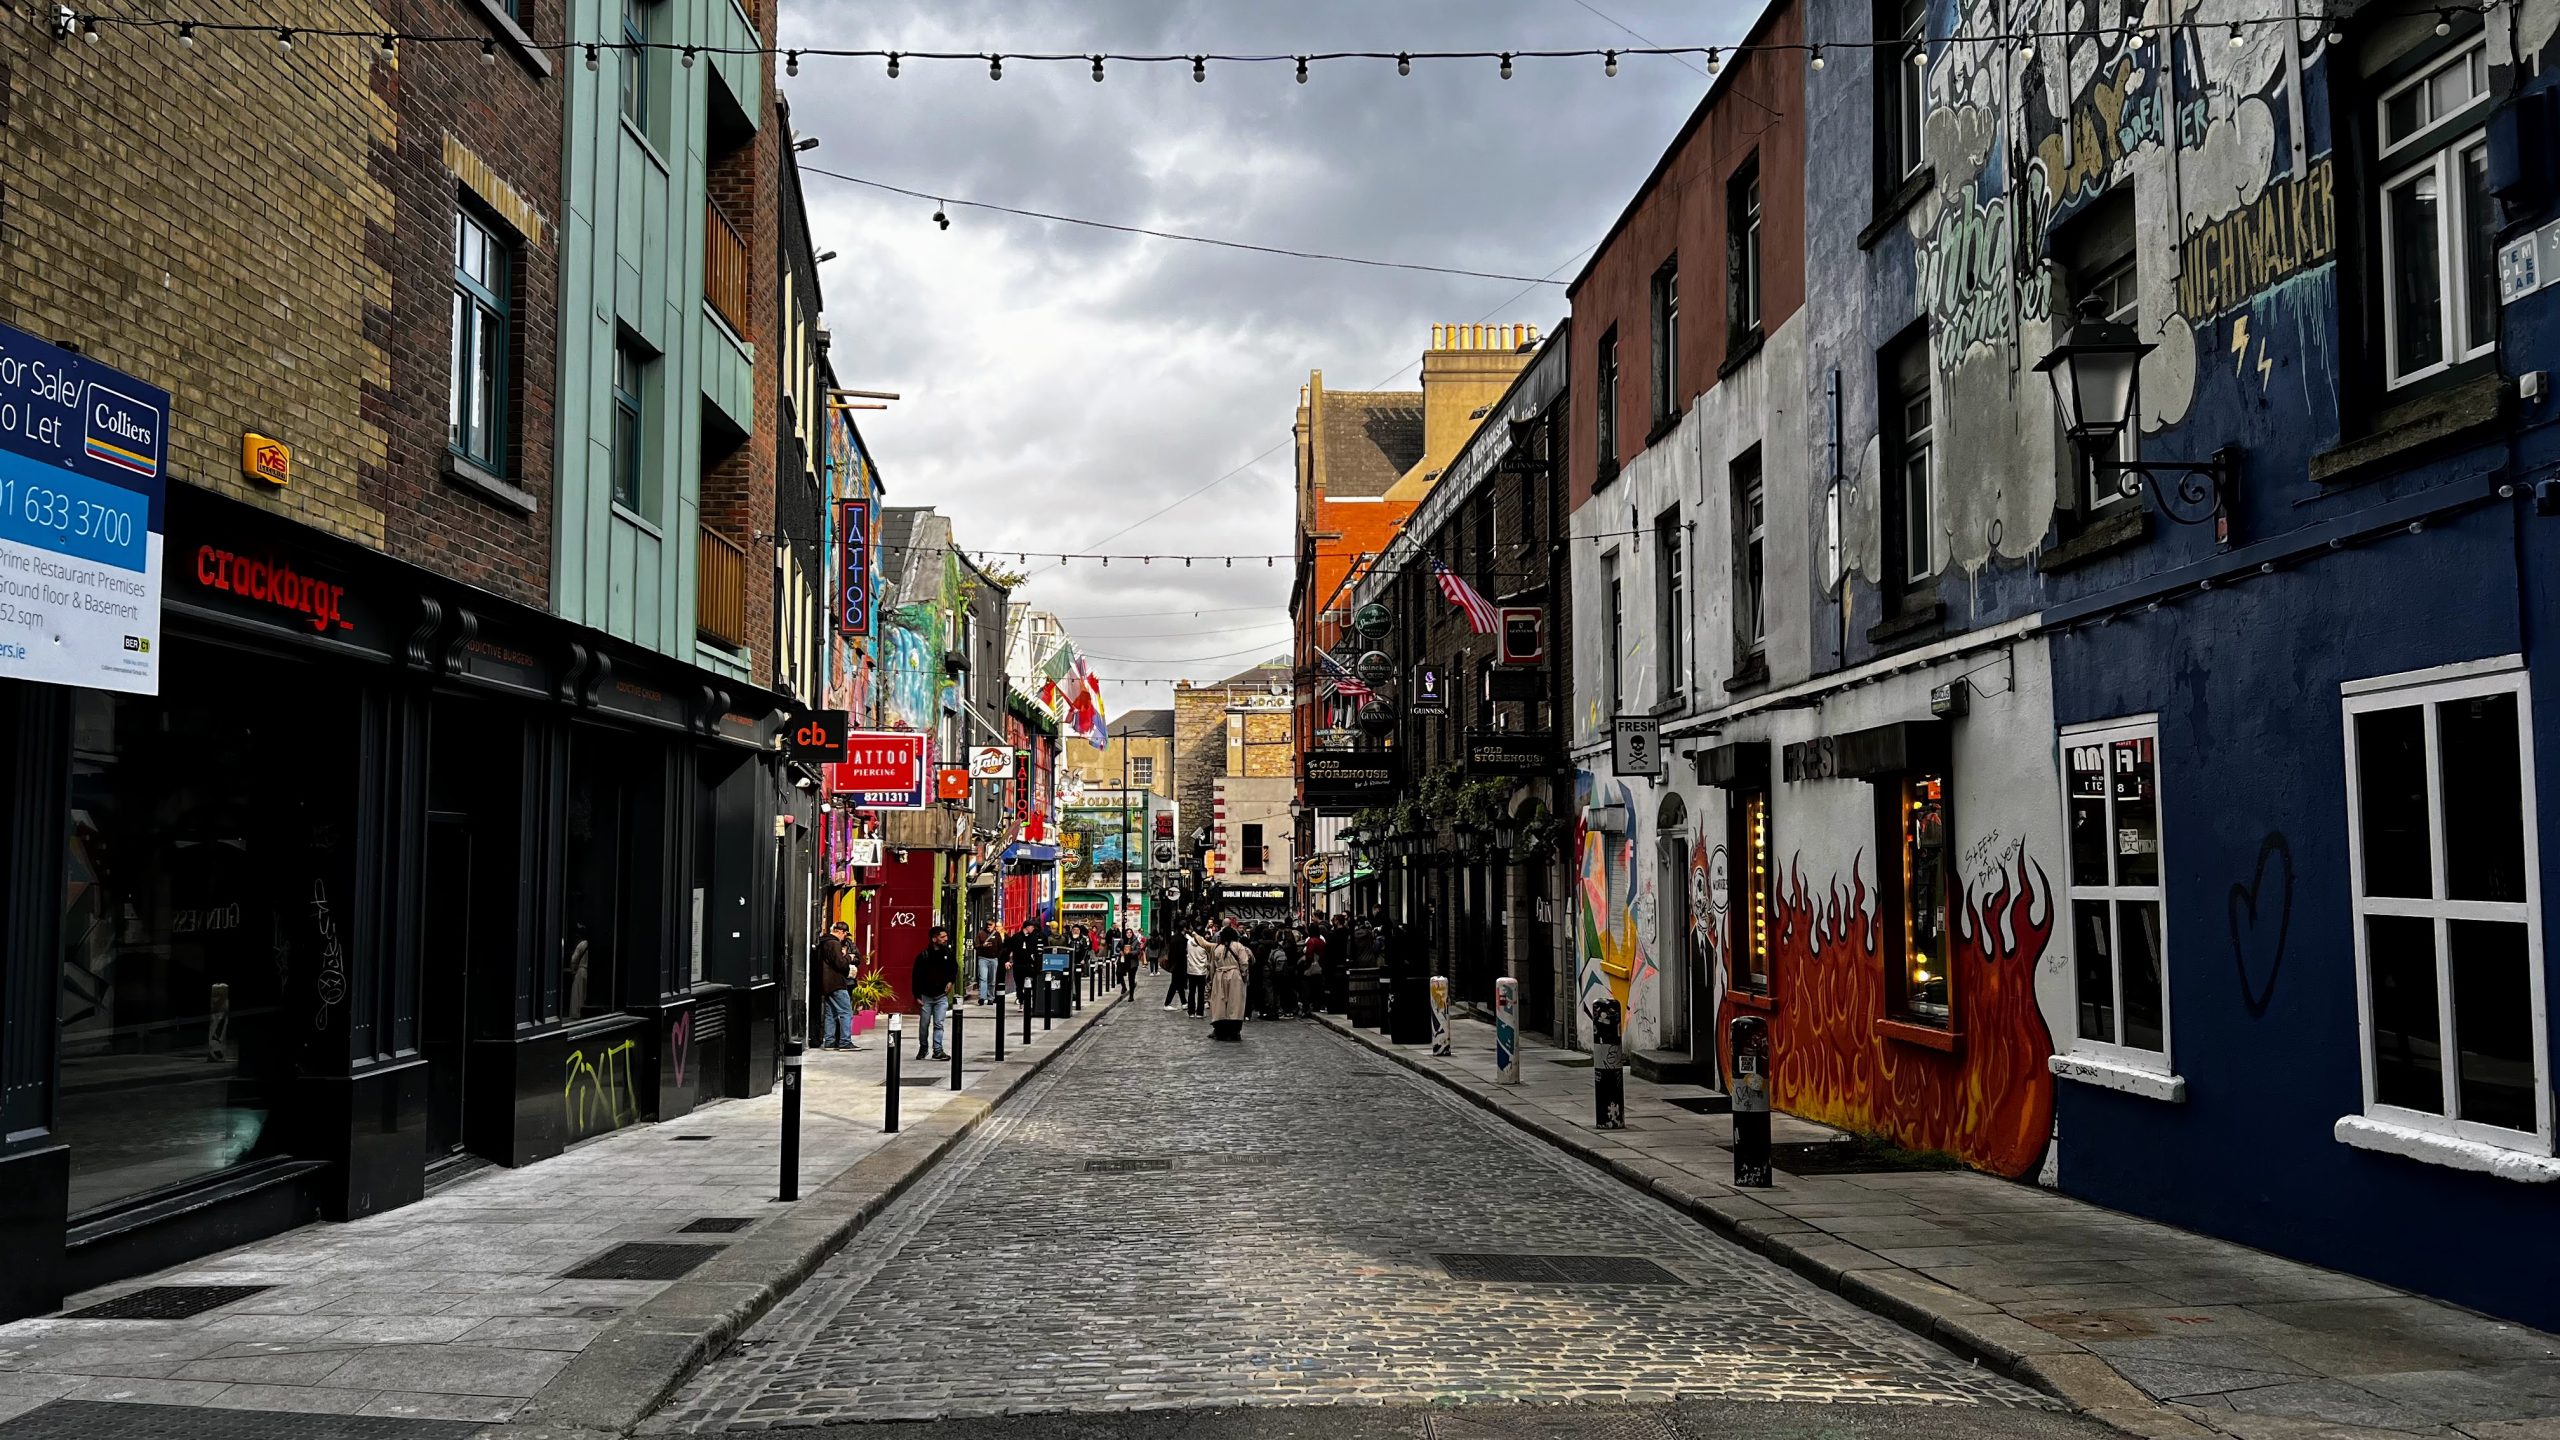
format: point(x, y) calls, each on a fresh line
point(1195, 974)
point(1280, 983)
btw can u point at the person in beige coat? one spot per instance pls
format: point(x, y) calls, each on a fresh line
point(1230, 968)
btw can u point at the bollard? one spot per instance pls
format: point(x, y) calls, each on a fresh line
point(1028, 1005)
point(956, 1013)
point(1439, 1014)
point(1750, 1036)
point(1506, 1032)
point(1608, 1068)
point(1075, 988)
point(889, 1122)
point(790, 1121)
point(1049, 1004)
point(999, 1024)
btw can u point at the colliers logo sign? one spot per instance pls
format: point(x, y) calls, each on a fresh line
point(273, 582)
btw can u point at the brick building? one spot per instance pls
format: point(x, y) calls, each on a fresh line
point(1233, 747)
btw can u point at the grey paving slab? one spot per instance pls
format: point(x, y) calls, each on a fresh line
point(1283, 1258)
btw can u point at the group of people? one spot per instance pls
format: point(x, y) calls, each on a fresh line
point(1267, 971)
point(1226, 972)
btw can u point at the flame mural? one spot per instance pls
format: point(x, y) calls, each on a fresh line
point(1990, 1102)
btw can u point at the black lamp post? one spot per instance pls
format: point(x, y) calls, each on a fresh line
point(2096, 372)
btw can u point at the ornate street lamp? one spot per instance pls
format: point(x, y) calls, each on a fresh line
point(2096, 373)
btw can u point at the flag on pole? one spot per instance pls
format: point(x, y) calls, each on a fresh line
point(1334, 677)
point(1482, 618)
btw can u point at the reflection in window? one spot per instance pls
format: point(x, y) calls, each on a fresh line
point(2111, 789)
point(206, 904)
point(1913, 832)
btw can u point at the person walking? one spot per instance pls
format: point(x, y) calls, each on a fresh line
point(1125, 959)
point(1177, 988)
point(1280, 988)
point(937, 969)
point(831, 959)
point(1196, 966)
point(990, 959)
point(1230, 978)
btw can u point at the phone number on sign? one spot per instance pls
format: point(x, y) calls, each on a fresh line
point(49, 509)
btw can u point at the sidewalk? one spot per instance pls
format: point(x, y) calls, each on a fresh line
point(457, 1307)
point(2151, 1329)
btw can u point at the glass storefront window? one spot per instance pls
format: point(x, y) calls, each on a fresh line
point(206, 905)
point(1915, 826)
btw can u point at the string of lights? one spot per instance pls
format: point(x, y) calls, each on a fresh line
point(990, 559)
point(93, 26)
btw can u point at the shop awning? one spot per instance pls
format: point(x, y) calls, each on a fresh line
point(1027, 851)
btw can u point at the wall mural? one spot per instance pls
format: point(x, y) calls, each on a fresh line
point(1990, 1105)
point(2212, 138)
point(1613, 960)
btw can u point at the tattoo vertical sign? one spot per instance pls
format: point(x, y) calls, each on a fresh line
point(853, 546)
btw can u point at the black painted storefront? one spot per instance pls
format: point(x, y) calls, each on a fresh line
point(393, 872)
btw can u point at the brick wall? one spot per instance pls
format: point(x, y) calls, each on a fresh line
point(1199, 753)
point(490, 133)
point(212, 221)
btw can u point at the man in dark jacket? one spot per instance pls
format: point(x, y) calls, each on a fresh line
point(831, 964)
point(937, 970)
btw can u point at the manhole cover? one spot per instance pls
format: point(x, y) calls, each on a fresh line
point(642, 1260)
point(1126, 1167)
point(717, 1225)
point(1555, 1269)
point(167, 1302)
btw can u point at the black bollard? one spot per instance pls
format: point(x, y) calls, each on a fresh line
point(1049, 1003)
point(1076, 988)
point(955, 1045)
point(889, 1123)
point(1750, 1101)
point(999, 1024)
point(1030, 1002)
point(790, 1121)
point(1608, 1069)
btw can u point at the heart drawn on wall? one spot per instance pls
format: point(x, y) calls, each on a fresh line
point(2260, 918)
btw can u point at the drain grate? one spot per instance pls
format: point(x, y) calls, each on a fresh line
point(688, 1137)
point(717, 1225)
point(1554, 1269)
point(1552, 1422)
point(642, 1260)
point(1126, 1166)
point(167, 1302)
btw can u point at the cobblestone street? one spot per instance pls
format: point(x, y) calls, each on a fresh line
point(1158, 1222)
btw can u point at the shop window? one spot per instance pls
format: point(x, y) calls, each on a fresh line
point(1747, 840)
point(1911, 505)
point(600, 853)
point(2111, 786)
point(1750, 557)
point(480, 378)
point(1911, 840)
point(2438, 224)
point(2448, 933)
point(207, 950)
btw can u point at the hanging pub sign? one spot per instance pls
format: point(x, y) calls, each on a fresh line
point(83, 516)
point(1349, 777)
point(1510, 753)
point(1636, 745)
point(817, 737)
point(853, 546)
point(1371, 620)
point(991, 762)
point(951, 782)
point(1374, 667)
point(1428, 697)
point(1524, 635)
point(884, 770)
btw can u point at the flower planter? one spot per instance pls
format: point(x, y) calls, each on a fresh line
point(863, 1020)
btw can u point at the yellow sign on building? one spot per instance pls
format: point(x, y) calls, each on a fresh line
point(269, 462)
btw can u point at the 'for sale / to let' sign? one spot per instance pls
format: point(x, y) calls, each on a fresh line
point(82, 505)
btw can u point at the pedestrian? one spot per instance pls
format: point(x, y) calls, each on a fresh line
point(937, 969)
point(1125, 958)
point(1022, 957)
point(832, 959)
point(1280, 984)
point(1230, 977)
point(1313, 984)
point(990, 959)
point(1196, 974)
point(1177, 988)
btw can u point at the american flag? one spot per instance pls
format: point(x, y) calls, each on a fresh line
point(1482, 618)
point(1334, 677)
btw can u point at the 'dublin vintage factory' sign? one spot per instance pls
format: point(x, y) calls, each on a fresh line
point(83, 509)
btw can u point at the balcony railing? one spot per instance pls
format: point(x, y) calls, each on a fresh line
point(724, 269)
point(720, 589)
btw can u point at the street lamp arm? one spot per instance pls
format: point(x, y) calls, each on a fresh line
point(2188, 492)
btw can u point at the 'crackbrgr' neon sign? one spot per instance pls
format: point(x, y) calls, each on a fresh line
point(272, 582)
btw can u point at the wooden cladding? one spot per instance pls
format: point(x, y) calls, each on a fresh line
point(720, 590)
point(724, 269)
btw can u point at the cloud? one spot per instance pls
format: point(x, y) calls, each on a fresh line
point(1061, 382)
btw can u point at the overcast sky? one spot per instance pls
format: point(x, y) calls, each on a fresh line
point(1061, 383)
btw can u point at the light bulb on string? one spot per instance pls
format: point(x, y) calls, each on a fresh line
point(1506, 64)
point(1097, 69)
point(1199, 69)
point(2444, 23)
point(2238, 40)
point(689, 52)
point(1302, 69)
point(1404, 63)
point(2026, 48)
point(1817, 57)
point(1715, 60)
point(939, 218)
point(89, 30)
point(1919, 57)
point(187, 35)
point(893, 64)
point(488, 52)
point(791, 62)
point(995, 67)
point(389, 49)
point(591, 57)
point(284, 41)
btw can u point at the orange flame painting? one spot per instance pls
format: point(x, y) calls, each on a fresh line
point(1989, 1099)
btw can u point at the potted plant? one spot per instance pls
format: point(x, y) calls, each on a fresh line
point(870, 991)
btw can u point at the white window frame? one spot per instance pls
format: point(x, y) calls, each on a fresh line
point(1921, 568)
point(2425, 689)
point(2106, 733)
point(2444, 161)
point(1750, 591)
point(1142, 770)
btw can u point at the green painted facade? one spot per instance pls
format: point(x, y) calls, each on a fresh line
point(631, 274)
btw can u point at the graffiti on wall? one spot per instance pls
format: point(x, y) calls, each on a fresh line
point(2261, 915)
point(1612, 959)
point(599, 1094)
point(2290, 228)
point(1991, 1103)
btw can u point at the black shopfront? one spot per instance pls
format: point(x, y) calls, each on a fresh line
point(391, 876)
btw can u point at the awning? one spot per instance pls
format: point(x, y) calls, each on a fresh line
point(1035, 854)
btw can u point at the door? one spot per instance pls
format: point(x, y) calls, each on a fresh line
point(444, 979)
